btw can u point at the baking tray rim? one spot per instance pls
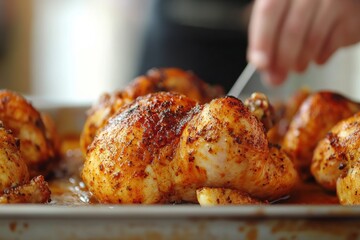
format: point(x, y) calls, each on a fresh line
point(178, 211)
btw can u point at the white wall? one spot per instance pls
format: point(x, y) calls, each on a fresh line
point(341, 74)
point(82, 48)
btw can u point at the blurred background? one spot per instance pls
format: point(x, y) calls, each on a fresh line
point(71, 51)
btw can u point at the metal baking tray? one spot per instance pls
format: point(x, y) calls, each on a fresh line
point(179, 222)
point(188, 221)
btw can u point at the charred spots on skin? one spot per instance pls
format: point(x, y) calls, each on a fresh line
point(334, 97)
point(237, 138)
point(39, 123)
point(4, 101)
point(190, 140)
point(342, 166)
point(117, 175)
point(140, 174)
point(210, 150)
point(274, 145)
point(333, 139)
point(101, 167)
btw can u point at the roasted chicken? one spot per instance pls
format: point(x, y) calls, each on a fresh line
point(336, 160)
point(164, 146)
point(316, 115)
point(15, 186)
point(26, 123)
point(166, 79)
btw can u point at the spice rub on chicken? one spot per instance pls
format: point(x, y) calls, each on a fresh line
point(37, 140)
point(15, 184)
point(163, 146)
point(336, 161)
point(317, 114)
point(155, 80)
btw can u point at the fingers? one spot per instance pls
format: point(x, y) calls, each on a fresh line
point(345, 32)
point(287, 35)
point(320, 30)
point(293, 33)
point(272, 77)
point(264, 26)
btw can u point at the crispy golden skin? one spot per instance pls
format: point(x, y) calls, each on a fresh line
point(13, 170)
point(348, 186)
point(336, 159)
point(164, 146)
point(223, 196)
point(14, 176)
point(284, 113)
point(36, 191)
point(18, 115)
point(317, 114)
point(156, 80)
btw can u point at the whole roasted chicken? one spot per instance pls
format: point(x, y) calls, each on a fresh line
point(164, 146)
point(165, 79)
point(315, 117)
point(336, 161)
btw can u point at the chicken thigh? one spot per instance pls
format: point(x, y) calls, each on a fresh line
point(164, 146)
point(15, 186)
point(316, 115)
point(336, 161)
point(26, 123)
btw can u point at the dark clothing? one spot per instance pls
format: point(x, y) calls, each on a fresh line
point(203, 36)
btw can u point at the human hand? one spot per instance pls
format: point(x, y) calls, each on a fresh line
point(286, 35)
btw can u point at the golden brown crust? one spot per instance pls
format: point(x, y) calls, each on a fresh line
point(136, 143)
point(317, 114)
point(224, 196)
point(18, 115)
point(36, 191)
point(14, 175)
point(164, 146)
point(156, 80)
point(336, 155)
point(284, 113)
point(13, 170)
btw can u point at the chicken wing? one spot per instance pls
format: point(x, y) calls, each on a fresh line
point(164, 146)
point(317, 114)
point(166, 79)
point(18, 115)
point(336, 160)
point(14, 176)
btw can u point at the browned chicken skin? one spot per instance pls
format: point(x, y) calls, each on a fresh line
point(336, 160)
point(164, 146)
point(317, 114)
point(26, 123)
point(284, 113)
point(15, 186)
point(166, 79)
